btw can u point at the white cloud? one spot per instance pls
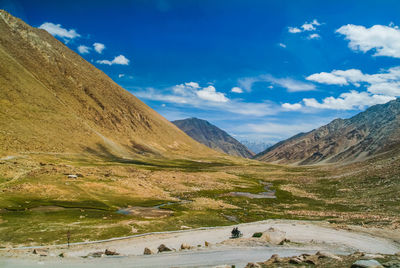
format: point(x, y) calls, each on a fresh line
point(237, 90)
point(352, 100)
point(121, 75)
point(294, 30)
point(210, 93)
point(282, 45)
point(292, 107)
point(327, 78)
point(83, 49)
point(121, 60)
point(306, 27)
point(58, 30)
point(206, 98)
point(314, 36)
point(310, 26)
point(99, 47)
point(290, 84)
point(386, 82)
point(384, 40)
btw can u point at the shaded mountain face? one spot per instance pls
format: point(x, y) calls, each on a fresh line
point(52, 100)
point(213, 137)
point(369, 133)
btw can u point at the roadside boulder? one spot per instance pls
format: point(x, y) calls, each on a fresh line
point(253, 265)
point(273, 236)
point(311, 259)
point(163, 248)
point(41, 252)
point(366, 264)
point(97, 254)
point(147, 251)
point(185, 246)
point(322, 254)
point(207, 244)
point(111, 252)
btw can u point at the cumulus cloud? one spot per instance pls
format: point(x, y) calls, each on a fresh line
point(210, 93)
point(121, 75)
point(306, 27)
point(58, 30)
point(99, 47)
point(327, 78)
point(383, 40)
point(120, 60)
point(83, 49)
point(237, 90)
point(352, 100)
point(386, 82)
point(292, 107)
point(282, 45)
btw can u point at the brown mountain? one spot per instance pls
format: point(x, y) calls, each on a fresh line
point(374, 131)
point(213, 137)
point(52, 100)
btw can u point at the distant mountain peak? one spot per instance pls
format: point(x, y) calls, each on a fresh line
point(213, 137)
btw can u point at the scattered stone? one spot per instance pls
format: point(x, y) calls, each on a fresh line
point(185, 246)
point(41, 252)
point(111, 252)
point(253, 265)
point(366, 264)
point(284, 241)
point(63, 255)
point(322, 254)
point(97, 254)
point(147, 251)
point(274, 259)
point(372, 256)
point(273, 236)
point(207, 244)
point(163, 248)
point(392, 264)
point(295, 260)
point(397, 254)
point(72, 176)
point(185, 227)
point(311, 259)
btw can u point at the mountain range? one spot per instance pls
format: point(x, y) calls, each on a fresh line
point(52, 100)
point(213, 137)
point(369, 133)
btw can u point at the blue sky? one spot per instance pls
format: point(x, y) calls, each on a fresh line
point(261, 70)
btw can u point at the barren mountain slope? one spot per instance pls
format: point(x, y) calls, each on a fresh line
point(213, 137)
point(52, 100)
point(368, 133)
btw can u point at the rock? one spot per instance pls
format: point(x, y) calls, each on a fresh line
point(295, 260)
point(110, 252)
point(72, 176)
point(392, 264)
point(322, 254)
point(284, 241)
point(366, 264)
point(368, 256)
point(185, 246)
point(207, 244)
point(253, 265)
point(97, 254)
point(274, 259)
point(311, 259)
point(63, 255)
point(163, 248)
point(40, 252)
point(397, 254)
point(147, 251)
point(273, 236)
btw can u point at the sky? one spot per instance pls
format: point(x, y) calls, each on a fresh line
point(260, 70)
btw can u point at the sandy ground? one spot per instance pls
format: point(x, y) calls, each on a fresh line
point(306, 237)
